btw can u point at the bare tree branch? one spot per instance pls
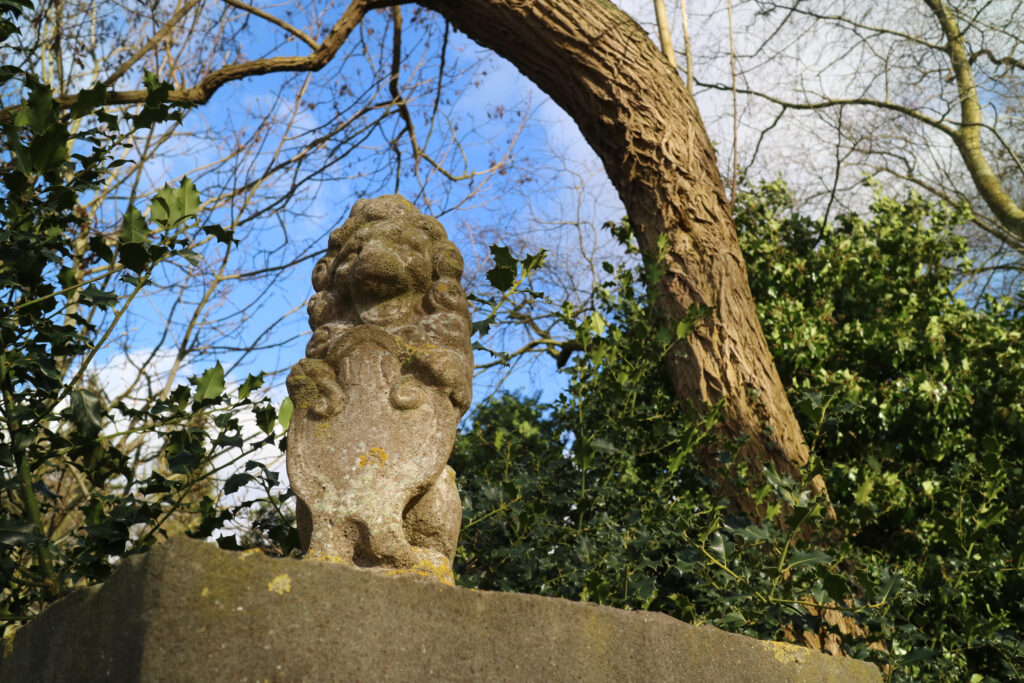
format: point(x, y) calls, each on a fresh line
point(968, 137)
point(998, 61)
point(664, 35)
point(840, 102)
point(204, 90)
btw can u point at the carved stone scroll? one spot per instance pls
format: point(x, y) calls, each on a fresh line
point(386, 377)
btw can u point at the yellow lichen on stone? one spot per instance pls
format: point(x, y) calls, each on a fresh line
point(412, 350)
point(205, 592)
point(251, 551)
point(324, 557)
point(787, 653)
point(375, 453)
point(440, 570)
point(280, 584)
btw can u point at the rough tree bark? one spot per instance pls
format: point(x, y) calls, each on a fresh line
point(636, 113)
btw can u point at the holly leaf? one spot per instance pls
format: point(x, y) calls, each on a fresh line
point(16, 532)
point(89, 100)
point(534, 261)
point(836, 587)
point(503, 275)
point(284, 413)
point(95, 296)
point(223, 235)
point(99, 246)
point(810, 558)
point(919, 654)
point(86, 412)
point(133, 240)
point(133, 227)
point(236, 481)
point(251, 383)
point(210, 385)
point(501, 278)
point(503, 257)
point(171, 206)
point(266, 417)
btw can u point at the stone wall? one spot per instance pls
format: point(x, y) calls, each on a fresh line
point(188, 611)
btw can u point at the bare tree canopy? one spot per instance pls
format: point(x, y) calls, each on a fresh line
point(927, 93)
point(630, 105)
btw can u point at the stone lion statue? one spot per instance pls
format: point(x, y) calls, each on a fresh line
point(387, 375)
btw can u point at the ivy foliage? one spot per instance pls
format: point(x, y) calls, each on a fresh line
point(85, 480)
point(909, 397)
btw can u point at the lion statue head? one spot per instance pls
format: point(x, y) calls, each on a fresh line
point(392, 267)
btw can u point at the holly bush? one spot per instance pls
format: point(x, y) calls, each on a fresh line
point(86, 480)
point(908, 395)
point(920, 394)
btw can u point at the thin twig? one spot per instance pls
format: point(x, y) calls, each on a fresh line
point(274, 20)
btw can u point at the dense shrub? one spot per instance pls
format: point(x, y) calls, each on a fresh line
point(86, 478)
point(909, 396)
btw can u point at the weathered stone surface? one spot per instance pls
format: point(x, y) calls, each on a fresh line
point(387, 375)
point(187, 611)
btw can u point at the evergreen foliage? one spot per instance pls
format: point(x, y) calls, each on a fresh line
point(909, 396)
point(84, 480)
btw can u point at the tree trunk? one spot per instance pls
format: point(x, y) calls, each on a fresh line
point(631, 106)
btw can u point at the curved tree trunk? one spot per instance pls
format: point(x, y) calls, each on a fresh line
point(636, 113)
point(634, 110)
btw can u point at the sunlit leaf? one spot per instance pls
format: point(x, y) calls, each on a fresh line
point(210, 385)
